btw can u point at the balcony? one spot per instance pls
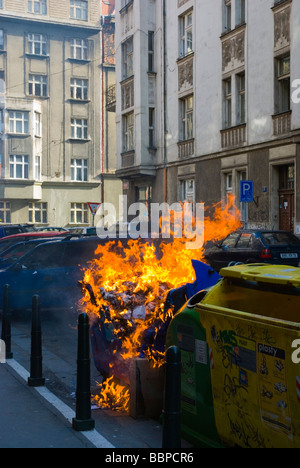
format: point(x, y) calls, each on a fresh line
point(186, 149)
point(233, 136)
point(282, 123)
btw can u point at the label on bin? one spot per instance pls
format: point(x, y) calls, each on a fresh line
point(253, 384)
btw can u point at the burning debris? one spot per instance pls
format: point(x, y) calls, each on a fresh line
point(129, 292)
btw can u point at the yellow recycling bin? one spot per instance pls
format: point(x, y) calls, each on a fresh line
point(252, 323)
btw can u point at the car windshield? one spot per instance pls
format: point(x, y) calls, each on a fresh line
point(277, 238)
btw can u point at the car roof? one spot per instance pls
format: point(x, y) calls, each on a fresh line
point(34, 234)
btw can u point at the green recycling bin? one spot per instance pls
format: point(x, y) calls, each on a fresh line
point(186, 332)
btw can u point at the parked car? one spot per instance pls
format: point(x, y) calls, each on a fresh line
point(11, 229)
point(52, 271)
point(255, 246)
point(51, 229)
point(84, 231)
point(18, 250)
point(6, 242)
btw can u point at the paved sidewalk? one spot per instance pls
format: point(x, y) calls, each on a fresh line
point(27, 422)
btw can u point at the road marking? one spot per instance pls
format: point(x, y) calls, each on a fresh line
point(93, 436)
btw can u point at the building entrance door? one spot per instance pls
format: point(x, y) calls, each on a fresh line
point(287, 198)
point(286, 211)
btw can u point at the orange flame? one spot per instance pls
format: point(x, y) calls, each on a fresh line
point(133, 279)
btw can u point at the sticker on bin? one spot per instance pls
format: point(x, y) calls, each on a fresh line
point(201, 351)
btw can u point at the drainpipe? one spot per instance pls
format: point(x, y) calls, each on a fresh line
point(102, 111)
point(165, 100)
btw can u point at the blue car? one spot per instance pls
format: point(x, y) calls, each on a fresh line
point(52, 271)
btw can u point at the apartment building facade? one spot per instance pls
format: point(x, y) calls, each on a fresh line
point(50, 147)
point(208, 95)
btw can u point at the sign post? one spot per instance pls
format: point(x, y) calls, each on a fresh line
point(246, 195)
point(93, 208)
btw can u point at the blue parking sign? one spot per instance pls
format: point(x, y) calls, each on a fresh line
point(247, 191)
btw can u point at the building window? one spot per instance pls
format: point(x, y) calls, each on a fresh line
point(18, 122)
point(228, 187)
point(152, 127)
point(79, 213)
point(187, 190)
point(37, 85)
point(5, 212)
point(79, 89)
point(37, 124)
point(226, 15)
point(1, 39)
point(38, 7)
point(37, 168)
point(79, 170)
point(19, 167)
point(150, 51)
point(37, 44)
point(127, 58)
point(79, 129)
point(282, 83)
point(79, 10)
point(240, 13)
point(186, 34)
point(227, 103)
point(128, 132)
point(187, 118)
point(38, 213)
point(79, 49)
point(241, 99)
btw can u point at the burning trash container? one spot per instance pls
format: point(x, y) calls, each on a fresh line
point(142, 371)
point(241, 380)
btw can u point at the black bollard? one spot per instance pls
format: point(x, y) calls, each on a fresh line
point(172, 400)
point(36, 369)
point(83, 420)
point(6, 322)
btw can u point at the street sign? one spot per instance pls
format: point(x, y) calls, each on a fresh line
point(247, 191)
point(94, 207)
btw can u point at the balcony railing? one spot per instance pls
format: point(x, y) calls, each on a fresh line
point(233, 136)
point(282, 123)
point(186, 149)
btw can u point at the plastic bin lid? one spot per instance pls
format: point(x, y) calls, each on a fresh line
point(264, 273)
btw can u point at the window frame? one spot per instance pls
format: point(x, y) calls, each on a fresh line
point(6, 210)
point(79, 167)
point(14, 121)
point(227, 103)
point(14, 165)
point(282, 86)
point(81, 46)
point(38, 85)
point(81, 7)
point(37, 44)
point(34, 5)
point(35, 208)
point(187, 118)
point(186, 29)
point(77, 208)
point(79, 129)
point(79, 84)
point(128, 132)
point(127, 58)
